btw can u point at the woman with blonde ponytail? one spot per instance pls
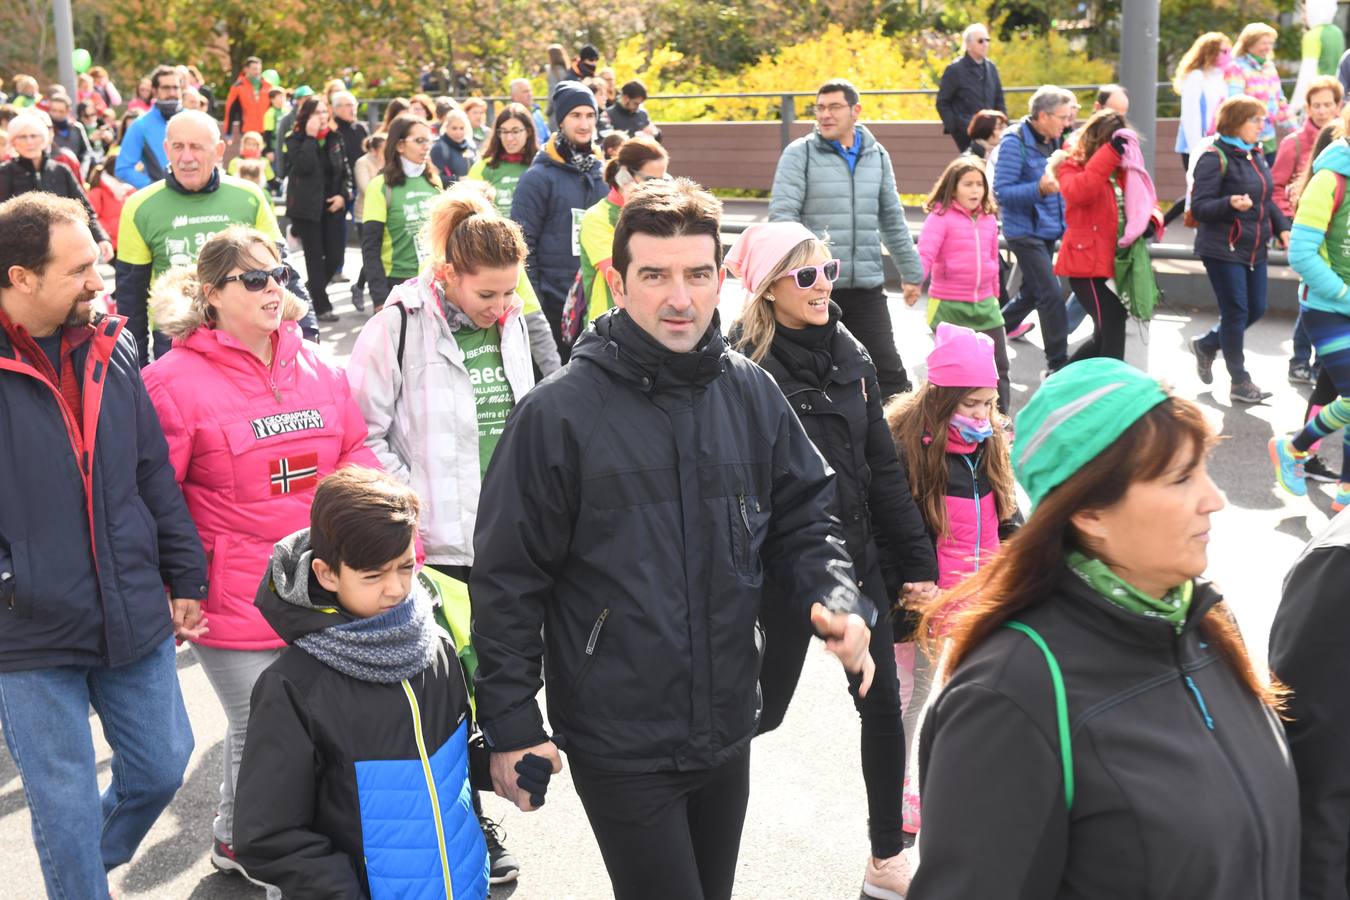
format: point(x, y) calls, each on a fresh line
point(437, 370)
point(254, 417)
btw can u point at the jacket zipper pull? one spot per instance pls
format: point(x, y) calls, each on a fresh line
point(745, 515)
point(595, 632)
point(275, 393)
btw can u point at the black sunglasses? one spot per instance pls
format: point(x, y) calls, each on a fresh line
point(256, 279)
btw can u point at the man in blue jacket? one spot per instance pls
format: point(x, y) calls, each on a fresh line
point(141, 161)
point(1033, 215)
point(566, 178)
point(92, 528)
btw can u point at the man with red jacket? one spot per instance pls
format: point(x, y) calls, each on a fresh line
point(92, 528)
point(248, 101)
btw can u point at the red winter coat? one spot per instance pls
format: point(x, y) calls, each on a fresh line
point(1091, 219)
point(248, 445)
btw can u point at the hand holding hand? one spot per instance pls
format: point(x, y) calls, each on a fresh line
point(847, 637)
point(1048, 184)
point(918, 592)
point(912, 294)
point(520, 777)
point(188, 621)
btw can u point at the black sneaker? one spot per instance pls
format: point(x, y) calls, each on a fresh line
point(501, 864)
point(1247, 392)
point(358, 300)
point(1204, 362)
point(1317, 470)
point(1302, 373)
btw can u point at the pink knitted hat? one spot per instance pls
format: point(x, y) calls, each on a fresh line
point(962, 358)
point(761, 247)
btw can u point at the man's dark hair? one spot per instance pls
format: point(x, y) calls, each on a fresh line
point(158, 75)
point(841, 86)
point(251, 60)
point(27, 221)
point(634, 90)
point(588, 52)
point(667, 209)
point(1105, 91)
point(361, 518)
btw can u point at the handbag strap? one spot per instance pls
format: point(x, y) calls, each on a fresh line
point(1061, 706)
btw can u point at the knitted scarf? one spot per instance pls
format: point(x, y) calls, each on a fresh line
point(384, 649)
point(583, 159)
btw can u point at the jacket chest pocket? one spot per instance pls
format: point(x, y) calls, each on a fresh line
point(749, 519)
point(284, 452)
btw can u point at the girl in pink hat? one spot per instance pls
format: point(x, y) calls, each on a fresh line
point(960, 476)
point(790, 327)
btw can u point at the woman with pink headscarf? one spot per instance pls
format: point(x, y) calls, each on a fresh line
point(790, 327)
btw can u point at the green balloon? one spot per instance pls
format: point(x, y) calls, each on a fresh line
point(81, 60)
point(271, 76)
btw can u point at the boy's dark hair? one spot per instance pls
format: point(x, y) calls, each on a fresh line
point(361, 518)
point(841, 86)
point(634, 90)
point(27, 221)
point(274, 92)
point(251, 60)
point(667, 209)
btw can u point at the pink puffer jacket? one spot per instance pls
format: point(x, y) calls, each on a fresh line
point(960, 251)
point(248, 446)
point(972, 520)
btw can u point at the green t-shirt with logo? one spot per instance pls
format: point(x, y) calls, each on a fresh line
point(491, 391)
point(161, 227)
point(402, 210)
point(503, 177)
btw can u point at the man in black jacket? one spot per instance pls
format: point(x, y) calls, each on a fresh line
point(92, 527)
point(969, 85)
point(627, 523)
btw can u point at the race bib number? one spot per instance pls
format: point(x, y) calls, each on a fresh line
point(576, 231)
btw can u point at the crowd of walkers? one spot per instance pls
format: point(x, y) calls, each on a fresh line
point(549, 461)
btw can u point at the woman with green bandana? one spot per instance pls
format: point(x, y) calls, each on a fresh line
point(1103, 732)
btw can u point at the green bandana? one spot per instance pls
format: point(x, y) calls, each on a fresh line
point(1171, 608)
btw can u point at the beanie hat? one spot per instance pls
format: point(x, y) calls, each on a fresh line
point(962, 358)
point(303, 90)
point(568, 95)
point(1080, 411)
point(760, 249)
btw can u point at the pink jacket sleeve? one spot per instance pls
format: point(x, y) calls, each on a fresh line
point(1282, 173)
point(176, 431)
point(930, 241)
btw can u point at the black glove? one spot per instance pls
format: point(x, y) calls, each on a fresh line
point(1118, 142)
point(532, 775)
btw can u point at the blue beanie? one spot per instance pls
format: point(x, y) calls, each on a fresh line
point(568, 95)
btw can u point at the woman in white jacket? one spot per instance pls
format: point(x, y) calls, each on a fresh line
point(436, 371)
point(1200, 83)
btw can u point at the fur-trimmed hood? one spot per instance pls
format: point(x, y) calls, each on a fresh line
point(177, 312)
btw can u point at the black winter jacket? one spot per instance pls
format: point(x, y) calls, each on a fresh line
point(883, 529)
point(1310, 652)
point(18, 176)
point(965, 89)
point(78, 598)
point(452, 161)
point(1223, 233)
point(315, 172)
point(1184, 787)
point(625, 527)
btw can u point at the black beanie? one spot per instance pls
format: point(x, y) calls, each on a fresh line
point(568, 95)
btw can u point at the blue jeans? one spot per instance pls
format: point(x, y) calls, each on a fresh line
point(1241, 292)
point(1041, 291)
point(79, 834)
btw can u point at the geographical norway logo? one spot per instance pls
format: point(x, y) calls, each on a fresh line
point(294, 473)
point(286, 423)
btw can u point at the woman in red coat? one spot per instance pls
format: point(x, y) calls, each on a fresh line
point(1092, 183)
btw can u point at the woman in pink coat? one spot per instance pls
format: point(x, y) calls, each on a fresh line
point(254, 418)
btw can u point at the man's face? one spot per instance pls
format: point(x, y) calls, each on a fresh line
point(253, 70)
point(169, 88)
point(834, 117)
point(670, 288)
point(630, 103)
point(1051, 124)
point(578, 126)
point(193, 152)
point(66, 288)
point(977, 45)
point(344, 109)
point(522, 94)
point(59, 110)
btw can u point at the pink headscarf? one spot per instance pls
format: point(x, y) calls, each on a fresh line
point(760, 248)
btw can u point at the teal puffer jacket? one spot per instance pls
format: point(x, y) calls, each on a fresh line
point(856, 212)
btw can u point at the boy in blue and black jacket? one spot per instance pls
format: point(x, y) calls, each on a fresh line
point(355, 779)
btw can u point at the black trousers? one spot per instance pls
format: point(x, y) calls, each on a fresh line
point(1179, 207)
point(786, 641)
point(865, 313)
point(668, 835)
point(1000, 338)
point(1041, 292)
point(323, 243)
point(1108, 319)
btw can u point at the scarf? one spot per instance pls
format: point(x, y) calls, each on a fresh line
point(455, 317)
point(1237, 142)
point(68, 380)
point(1172, 608)
point(580, 158)
point(505, 157)
point(384, 649)
point(805, 352)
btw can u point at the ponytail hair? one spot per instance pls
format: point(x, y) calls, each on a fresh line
point(634, 153)
point(466, 231)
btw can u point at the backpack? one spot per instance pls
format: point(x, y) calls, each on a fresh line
point(1189, 218)
point(1061, 707)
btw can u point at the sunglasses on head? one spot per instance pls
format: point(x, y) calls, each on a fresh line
point(807, 275)
point(256, 279)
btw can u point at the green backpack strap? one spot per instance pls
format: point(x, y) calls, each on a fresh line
point(1061, 706)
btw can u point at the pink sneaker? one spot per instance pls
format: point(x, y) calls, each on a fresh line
point(1021, 331)
point(888, 879)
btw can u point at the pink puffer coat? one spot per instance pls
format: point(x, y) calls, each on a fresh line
point(960, 251)
point(248, 446)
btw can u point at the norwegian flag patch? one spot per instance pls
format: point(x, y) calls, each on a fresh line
point(294, 473)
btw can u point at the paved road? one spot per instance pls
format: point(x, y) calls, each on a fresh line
point(805, 834)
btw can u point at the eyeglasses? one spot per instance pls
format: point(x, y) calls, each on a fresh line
point(643, 179)
point(255, 280)
point(832, 108)
point(421, 142)
point(1257, 120)
point(513, 132)
point(807, 275)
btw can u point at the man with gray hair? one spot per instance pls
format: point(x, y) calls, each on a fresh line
point(1033, 215)
point(523, 93)
point(969, 84)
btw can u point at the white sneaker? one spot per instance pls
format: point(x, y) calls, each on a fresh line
point(888, 879)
